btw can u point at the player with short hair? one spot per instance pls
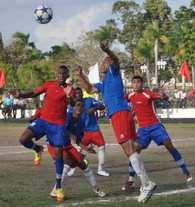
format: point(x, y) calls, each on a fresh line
point(92, 132)
point(112, 90)
point(73, 158)
point(150, 127)
point(51, 122)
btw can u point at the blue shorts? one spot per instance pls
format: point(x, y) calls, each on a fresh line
point(55, 133)
point(156, 133)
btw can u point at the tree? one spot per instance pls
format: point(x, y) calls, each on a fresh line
point(109, 32)
point(184, 25)
point(158, 14)
point(2, 54)
point(131, 17)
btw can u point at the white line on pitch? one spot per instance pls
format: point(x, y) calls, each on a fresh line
point(127, 198)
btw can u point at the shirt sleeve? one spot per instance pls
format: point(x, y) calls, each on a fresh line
point(99, 87)
point(114, 69)
point(96, 104)
point(154, 95)
point(41, 89)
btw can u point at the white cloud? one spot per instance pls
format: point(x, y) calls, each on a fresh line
point(69, 30)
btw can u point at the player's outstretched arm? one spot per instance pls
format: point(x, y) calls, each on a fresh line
point(31, 94)
point(96, 106)
point(83, 81)
point(104, 46)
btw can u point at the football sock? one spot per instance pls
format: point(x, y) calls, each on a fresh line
point(180, 162)
point(131, 172)
point(101, 157)
point(89, 176)
point(138, 166)
point(59, 169)
point(65, 171)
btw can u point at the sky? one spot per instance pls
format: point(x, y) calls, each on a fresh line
point(72, 18)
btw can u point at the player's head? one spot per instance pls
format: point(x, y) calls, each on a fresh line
point(78, 107)
point(62, 73)
point(105, 64)
point(137, 83)
point(79, 93)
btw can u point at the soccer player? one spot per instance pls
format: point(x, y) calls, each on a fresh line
point(72, 157)
point(112, 90)
point(51, 122)
point(92, 132)
point(150, 128)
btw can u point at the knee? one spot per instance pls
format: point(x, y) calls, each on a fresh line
point(169, 146)
point(59, 152)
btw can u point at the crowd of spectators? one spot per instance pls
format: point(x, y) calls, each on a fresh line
point(11, 107)
point(177, 98)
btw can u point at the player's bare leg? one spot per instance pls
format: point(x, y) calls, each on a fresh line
point(148, 186)
point(26, 141)
point(178, 159)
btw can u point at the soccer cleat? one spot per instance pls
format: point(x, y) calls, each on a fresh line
point(38, 155)
point(129, 186)
point(59, 194)
point(53, 192)
point(99, 192)
point(71, 172)
point(103, 173)
point(146, 192)
point(189, 178)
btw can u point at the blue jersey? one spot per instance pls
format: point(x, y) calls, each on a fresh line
point(112, 90)
point(74, 126)
point(90, 120)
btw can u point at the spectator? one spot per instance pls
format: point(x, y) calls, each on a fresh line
point(22, 107)
point(15, 107)
point(191, 97)
point(178, 97)
point(7, 106)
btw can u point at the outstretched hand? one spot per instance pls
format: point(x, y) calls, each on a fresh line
point(104, 46)
point(78, 71)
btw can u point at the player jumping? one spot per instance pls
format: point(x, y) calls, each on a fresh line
point(73, 158)
point(51, 122)
point(112, 90)
point(150, 128)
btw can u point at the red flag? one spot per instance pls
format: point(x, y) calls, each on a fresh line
point(185, 70)
point(2, 78)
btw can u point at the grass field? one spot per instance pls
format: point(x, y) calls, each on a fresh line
point(23, 184)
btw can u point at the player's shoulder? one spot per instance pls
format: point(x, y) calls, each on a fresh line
point(50, 82)
point(147, 93)
point(130, 95)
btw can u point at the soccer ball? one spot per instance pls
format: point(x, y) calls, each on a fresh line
point(43, 14)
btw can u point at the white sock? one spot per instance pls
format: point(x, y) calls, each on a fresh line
point(66, 169)
point(138, 166)
point(89, 176)
point(101, 157)
point(131, 179)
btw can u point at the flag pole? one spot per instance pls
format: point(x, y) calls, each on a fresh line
point(183, 82)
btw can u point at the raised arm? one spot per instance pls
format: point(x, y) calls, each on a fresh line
point(31, 94)
point(104, 46)
point(84, 82)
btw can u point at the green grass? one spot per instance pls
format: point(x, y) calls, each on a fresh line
point(22, 184)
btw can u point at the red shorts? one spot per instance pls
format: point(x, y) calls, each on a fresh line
point(123, 126)
point(95, 138)
point(69, 152)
